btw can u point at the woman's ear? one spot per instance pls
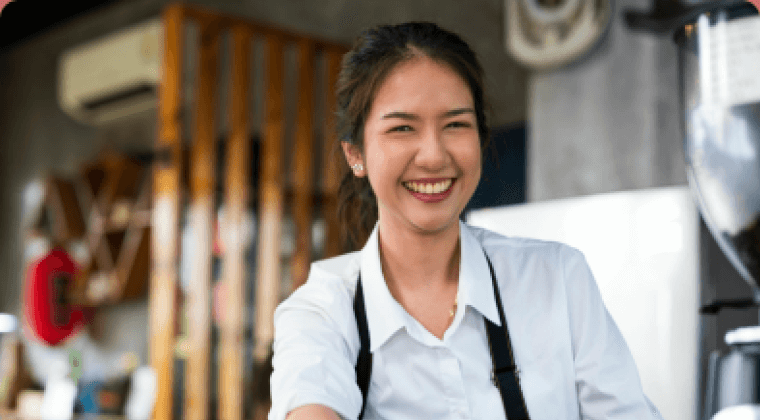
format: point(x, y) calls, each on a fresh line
point(354, 158)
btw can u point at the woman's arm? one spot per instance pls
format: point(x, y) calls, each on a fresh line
point(312, 412)
point(315, 349)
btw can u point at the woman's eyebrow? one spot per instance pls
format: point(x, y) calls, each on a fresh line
point(458, 111)
point(401, 115)
point(409, 116)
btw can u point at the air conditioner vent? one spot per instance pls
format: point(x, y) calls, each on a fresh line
point(112, 77)
point(139, 90)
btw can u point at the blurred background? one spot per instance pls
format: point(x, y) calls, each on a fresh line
point(588, 148)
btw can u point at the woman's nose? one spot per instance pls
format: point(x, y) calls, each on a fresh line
point(432, 152)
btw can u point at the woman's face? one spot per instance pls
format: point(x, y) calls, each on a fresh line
point(421, 147)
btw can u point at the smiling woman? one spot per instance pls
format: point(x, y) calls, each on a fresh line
point(421, 153)
point(434, 318)
point(419, 142)
point(376, 54)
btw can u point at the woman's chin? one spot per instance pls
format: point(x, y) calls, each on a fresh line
point(433, 226)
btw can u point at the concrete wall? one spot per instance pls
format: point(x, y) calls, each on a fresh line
point(610, 122)
point(36, 136)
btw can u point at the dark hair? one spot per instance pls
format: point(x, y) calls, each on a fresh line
point(374, 54)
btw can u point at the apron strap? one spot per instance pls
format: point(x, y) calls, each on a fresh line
point(364, 361)
point(505, 374)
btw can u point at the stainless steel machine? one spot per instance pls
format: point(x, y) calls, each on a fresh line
point(719, 67)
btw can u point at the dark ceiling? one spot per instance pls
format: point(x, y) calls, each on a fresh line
point(23, 19)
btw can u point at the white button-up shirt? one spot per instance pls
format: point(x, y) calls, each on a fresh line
point(573, 361)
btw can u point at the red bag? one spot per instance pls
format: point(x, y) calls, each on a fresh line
point(48, 313)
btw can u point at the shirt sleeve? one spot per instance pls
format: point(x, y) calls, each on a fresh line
point(313, 361)
point(606, 377)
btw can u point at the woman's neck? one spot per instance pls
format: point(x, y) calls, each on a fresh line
point(419, 262)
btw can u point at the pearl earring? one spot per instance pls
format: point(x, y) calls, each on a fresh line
point(358, 166)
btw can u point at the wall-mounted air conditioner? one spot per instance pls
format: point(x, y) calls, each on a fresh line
point(112, 77)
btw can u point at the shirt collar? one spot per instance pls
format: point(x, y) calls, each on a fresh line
point(385, 315)
point(475, 286)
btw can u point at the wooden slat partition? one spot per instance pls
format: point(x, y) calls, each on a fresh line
point(270, 201)
point(166, 190)
point(331, 172)
point(202, 182)
point(236, 197)
point(271, 197)
point(284, 36)
point(303, 164)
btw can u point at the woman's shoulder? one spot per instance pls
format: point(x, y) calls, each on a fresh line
point(329, 289)
point(534, 265)
point(512, 247)
point(344, 267)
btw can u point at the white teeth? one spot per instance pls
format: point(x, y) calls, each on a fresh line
point(429, 188)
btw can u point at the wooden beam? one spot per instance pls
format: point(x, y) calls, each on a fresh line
point(303, 165)
point(166, 190)
point(198, 307)
point(236, 196)
point(270, 202)
point(285, 36)
point(331, 161)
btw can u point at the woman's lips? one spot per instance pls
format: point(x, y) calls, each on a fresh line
point(430, 197)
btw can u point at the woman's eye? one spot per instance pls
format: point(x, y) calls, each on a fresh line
point(401, 128)
point(458, 124)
